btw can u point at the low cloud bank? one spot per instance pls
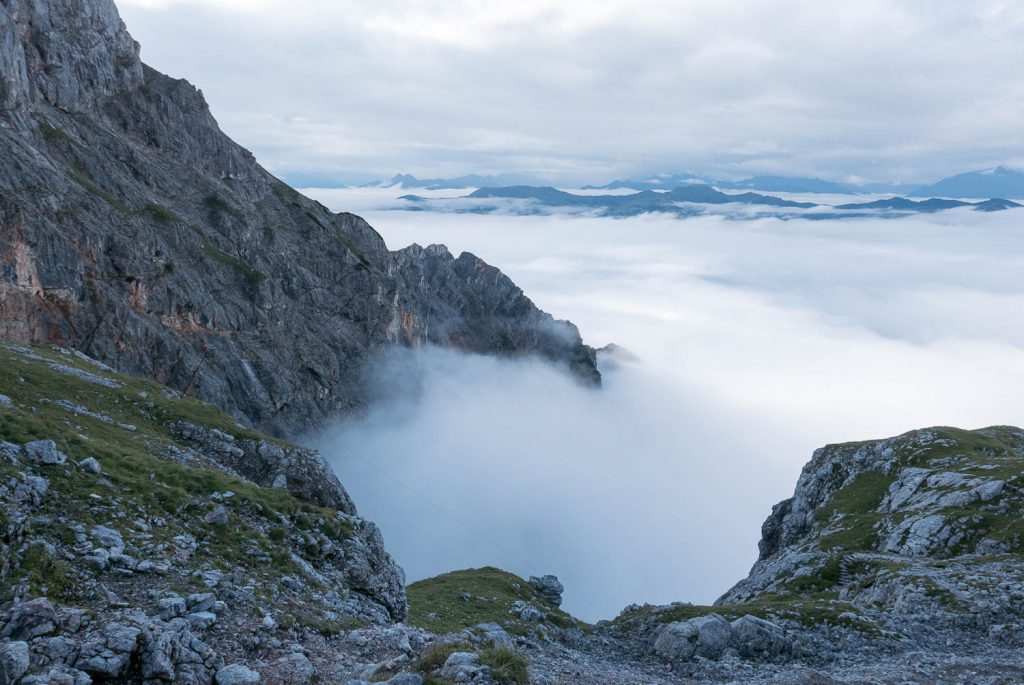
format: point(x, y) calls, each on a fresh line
point(759, 341)
point(620, 492)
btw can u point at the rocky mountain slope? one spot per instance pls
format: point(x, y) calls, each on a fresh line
point(134, 230)
point(148, 537)
point(896, 560)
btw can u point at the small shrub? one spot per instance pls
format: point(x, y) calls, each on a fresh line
point(249, 273)
point(507, 667)
point(436, 655)
point(159, 213)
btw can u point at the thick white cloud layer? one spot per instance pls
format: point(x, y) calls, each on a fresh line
point(760, 341)
point(878, 89)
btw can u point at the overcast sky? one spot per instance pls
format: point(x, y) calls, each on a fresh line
point(895, 90)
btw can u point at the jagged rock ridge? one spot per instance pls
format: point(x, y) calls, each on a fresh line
point(133, 229)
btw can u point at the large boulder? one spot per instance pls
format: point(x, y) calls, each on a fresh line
point(460, 667)
point(705, 636)
point(756, 638)
point(549, 588)
point(172, 653)
point(30, 620)
point(237, 674)
point(44, 452)
point(107, 655)
point(370, 570)
point(295, 669)
point(14, 661)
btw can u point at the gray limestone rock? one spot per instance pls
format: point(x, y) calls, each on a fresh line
point(370, 569)
point(756, 638)
point(44, 452)
point(201, 620)
point(171, 607)
point(172, 653)
point(495, 634)
point(90, 465)
point(30, 620)
point(237, 674)
point(106, 656)
point(460, 667)
point(217, 517)
point(203, 601)
point(705, 636)
point(295, 669)
point(549, 588)
point(405, 679)
point(107, 537)
point(14, 662)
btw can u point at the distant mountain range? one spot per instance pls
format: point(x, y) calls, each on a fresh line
point(408, 181)
point(769, 184)
point(935, 204)
point(789, 184)
point(998, 182)
point(683, 201)
point(644, 201)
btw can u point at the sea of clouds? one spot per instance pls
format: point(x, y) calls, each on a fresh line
point(757, 341)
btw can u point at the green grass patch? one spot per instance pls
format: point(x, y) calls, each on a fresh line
point(809, 611)
point(285, 193)
point(251, 274)
point(137, 472)
point(436, 604)
point(856, 503)
point(82, 178)
point(159, 213)
point(45, 574)
point(53, 135)
point(435, 656)
point(507, 667)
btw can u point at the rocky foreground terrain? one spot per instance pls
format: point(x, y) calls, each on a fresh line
point(146, 537)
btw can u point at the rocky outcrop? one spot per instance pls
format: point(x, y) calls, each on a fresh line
point(930, 494)
point(65, 53)
point(133, 229)
point(301, 471)
point(158, 547)
point(895, 560)
point(549, 588)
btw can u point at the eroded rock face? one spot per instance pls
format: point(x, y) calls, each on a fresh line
point(14, 661)
point(137, 232)
point(919, 533)
point(66, 53)
point(549, 588)
point(301, 471)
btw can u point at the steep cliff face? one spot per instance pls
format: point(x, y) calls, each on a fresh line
point(133, 229)
point(925, 496)
point(896, 560)
point(147, 537)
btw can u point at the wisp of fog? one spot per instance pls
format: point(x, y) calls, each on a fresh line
point(757, 342)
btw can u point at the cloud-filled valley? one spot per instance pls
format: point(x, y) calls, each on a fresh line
point(758, 342)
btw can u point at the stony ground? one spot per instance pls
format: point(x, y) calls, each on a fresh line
point(146, 537)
